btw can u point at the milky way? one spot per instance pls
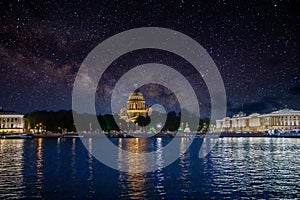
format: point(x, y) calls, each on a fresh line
point(255, 47)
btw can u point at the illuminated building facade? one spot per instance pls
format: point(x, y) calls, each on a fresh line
point(11, 122)
point(136, 106)
point(282, 120)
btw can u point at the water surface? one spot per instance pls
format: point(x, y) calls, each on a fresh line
point(235, 168)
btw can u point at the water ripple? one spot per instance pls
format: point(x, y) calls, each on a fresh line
point(237, 168)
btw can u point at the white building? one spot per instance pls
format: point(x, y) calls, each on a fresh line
point(11, 122)
point(286, 119)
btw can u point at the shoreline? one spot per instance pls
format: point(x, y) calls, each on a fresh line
point(143, 135)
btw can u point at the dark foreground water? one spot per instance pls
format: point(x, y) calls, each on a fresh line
point(235, 168)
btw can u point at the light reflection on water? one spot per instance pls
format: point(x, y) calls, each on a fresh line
point(159, 175)
point(39, 166)
point(133, 183)
point(257, 166)
point(185, 168)
point(11, 168)
point(235, 168)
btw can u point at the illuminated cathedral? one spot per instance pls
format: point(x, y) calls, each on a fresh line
point(136, 106)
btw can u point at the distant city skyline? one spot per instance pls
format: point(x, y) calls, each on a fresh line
point(255, 47)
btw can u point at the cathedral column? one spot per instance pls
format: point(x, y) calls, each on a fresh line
point(272, 121)
point(285, 120)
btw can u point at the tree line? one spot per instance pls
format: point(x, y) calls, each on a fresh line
point(63, 121)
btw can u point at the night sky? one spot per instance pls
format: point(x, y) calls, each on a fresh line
point(255, 47)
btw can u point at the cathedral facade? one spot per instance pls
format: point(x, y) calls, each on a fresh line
point(136, 106)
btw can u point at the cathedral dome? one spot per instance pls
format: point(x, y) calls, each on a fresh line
point(136, 106)
point(136, 96)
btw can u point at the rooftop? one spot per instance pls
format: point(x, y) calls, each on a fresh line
point(7, 112)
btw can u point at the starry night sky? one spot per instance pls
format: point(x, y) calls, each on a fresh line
point(255, 47)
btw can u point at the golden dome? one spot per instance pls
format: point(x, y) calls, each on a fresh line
point(136, 106)
point(136, 96)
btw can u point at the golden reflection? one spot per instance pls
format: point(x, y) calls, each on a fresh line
point(58, 150)
point(183, 143)
point(73, 157)
point(39, 153)
point(12, 167)
point(133, 181)
point(159, 154)
point(39, 165)
point(90, 157)
point(73, 146)
point(90, 146)
point(184, 160)
point(133, 162)
point(90, 164)
point(58, 153)
point(160, 164)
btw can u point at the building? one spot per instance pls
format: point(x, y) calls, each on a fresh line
point(11, 122)
point(286, 119)
point(136, 106)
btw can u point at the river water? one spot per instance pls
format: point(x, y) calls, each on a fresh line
point(236, 168)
